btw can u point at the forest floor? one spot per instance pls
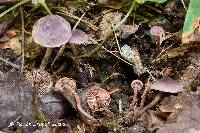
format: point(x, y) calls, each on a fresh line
point(91, 87)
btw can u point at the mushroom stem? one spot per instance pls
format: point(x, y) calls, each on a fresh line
point(158, 44)
point(150, 105)
point(134, 100)
point(77, 105)
point(46, 58)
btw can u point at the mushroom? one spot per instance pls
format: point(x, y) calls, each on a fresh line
point(157, 32)
point(165, 84)
point(67, 87)
point(135, 85)
point(77, 37)
point(51, 31)
point(98, 99)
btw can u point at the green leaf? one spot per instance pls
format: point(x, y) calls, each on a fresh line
point(191, 21)
point(157, 1)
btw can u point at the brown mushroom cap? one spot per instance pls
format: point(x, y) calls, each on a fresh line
point(78, 37)
point(51, 31)
point(167, 84)
point(95, 94)
point(65, 85)
point(157, 31)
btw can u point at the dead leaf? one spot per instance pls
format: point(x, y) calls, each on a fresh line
point(108, 21)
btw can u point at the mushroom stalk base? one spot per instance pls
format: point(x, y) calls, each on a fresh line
point(150, 105)
point(134, 100)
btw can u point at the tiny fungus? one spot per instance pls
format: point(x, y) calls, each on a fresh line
point(158, 33)
point(67, 87)
point(165, 84)
point(98, 99)
point(78, 37)
point(51, 31)
point(135, 85)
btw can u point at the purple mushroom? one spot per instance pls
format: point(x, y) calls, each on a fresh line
point(157, 32)
point(78, 37)
point(51, 31)
point(165, 84)
point(135, 85)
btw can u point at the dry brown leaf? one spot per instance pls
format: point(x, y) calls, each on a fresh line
point(108, 21)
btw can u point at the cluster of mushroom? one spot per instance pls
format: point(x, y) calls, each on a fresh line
point(67, 87)
point(54, 31)
point(97, 98)
point(165, 84)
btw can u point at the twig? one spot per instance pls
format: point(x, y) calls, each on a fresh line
point(110, 33)
point(13, 7)
point(95, 42)
point(147, 87)
point(9, 63)
point(63, 11)
point(23, 39)
point(183, 4)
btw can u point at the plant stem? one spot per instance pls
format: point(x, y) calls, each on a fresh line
point(13, 7)
point(46, 7)
point(23, 39)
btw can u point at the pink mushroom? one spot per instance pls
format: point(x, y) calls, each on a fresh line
point(165, 84)
point(135, 85)
point(157, 32)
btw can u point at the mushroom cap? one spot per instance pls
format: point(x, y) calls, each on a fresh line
point(157, 31)
point(137, 84)
point(51, 31)
point(78, 37)
point(96, 93)
point(167, 84)
point(65, 85)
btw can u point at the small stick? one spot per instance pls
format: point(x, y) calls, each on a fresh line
point(9, 63)
point(13, 7)
point(147, 86)
point(23, 39)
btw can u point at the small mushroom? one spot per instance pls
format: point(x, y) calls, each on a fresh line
point(157, 32)
point(135, 85)
point(98, 99)
point(51, 31)
point(78, 37)
point(165, 84)
point(67, 87)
